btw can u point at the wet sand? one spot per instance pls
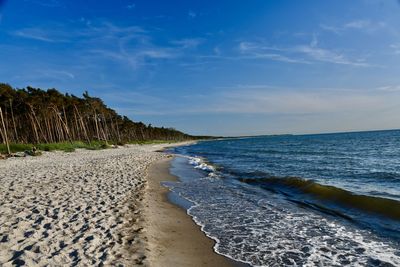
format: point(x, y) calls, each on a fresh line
point(173, 238)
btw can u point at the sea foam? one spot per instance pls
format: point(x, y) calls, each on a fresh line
point(200, 164)
point(263, 229)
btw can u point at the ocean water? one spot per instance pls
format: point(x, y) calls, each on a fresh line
point(296, 200)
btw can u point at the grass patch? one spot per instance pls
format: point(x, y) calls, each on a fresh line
point(15, 148)
point(71, 146)
point(63, 146)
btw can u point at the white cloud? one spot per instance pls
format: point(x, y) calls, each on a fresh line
point(188, 42)
point(35, 34)
point(329, 56)
point(305, 54)
point(329, 28)
point(60, 73)
point(278, 57)
point(259, 51)
point(45, 75)
point(363, 25)
point(389, 88)
point(358, 24)
point(56, 74)
point(60, 33)
point(135, 58)
point(159, 53)
point(110, 30)
point(128, 45)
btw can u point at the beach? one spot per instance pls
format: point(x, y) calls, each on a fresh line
point(95, 208)
point(174, 238)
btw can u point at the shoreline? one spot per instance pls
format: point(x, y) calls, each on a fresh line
point(93, 207)
point(174, 239)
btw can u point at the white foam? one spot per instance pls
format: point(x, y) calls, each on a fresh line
point(199, 163)
point(264, 230)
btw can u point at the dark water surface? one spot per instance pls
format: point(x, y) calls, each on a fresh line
point(309, 200)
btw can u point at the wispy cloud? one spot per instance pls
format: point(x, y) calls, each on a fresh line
point(34, 34)
point(50, 76)
point(108, 30)
point(157, 53)
point(58, 74)
point(104, 31)
point(305, 54)
point(331, 28)
point(389, 88)
point(363, 25)
point(135, 58)
point(260, 51)
point(358, 24)
point(131, 45)
point(188, 42)
point(329, 56)
point(278, 57)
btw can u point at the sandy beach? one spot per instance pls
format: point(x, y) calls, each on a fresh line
point(95, 207)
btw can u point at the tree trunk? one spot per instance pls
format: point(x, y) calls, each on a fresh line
point(5, 132)
point(13, 119)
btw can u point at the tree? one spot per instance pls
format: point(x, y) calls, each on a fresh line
point(33, 115)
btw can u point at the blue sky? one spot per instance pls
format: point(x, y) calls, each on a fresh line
point(215, 67)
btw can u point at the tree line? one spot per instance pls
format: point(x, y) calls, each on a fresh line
point(32, 116)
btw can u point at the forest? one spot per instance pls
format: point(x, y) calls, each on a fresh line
point(36, 116)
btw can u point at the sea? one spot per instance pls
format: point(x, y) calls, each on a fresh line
point(295, 200)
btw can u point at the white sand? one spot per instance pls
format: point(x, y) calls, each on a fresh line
point(74, 209)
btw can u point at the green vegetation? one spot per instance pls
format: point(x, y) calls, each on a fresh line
point(65, 146)
point(15, 147)
point(70, 147)
point(50, 120)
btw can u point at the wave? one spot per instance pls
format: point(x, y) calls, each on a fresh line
point(199, 163)
point(389, 208)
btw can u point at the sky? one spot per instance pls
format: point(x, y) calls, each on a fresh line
point(227, 67)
